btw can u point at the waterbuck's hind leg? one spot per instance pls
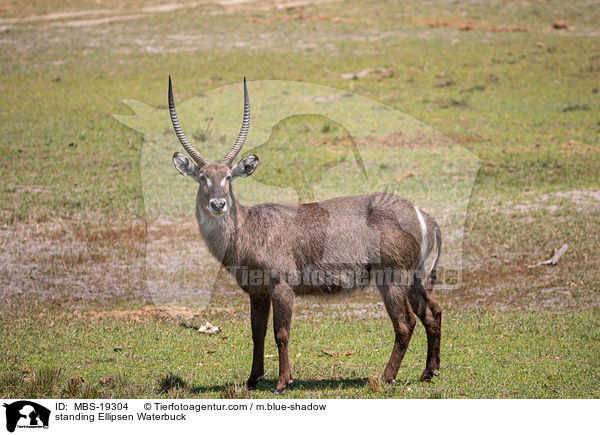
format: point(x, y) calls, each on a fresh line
point(430, 313)
point(403, 320)
point(283, 306)
point(260, 306)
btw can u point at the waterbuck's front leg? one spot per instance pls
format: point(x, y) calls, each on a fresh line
point(283, 306)
point(260, 306)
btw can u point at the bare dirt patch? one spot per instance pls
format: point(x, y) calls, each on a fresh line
point(379, 73)
point(582, 200)
point(404, 140)
point(144, 314)
point(501, 278)
point(114, 12)
point(509, 284)
point(303, 17)
point(56, 263)
point(96, 21)
point(129, 29)
point(467, 25)
point(123, 11)
point(102, 262)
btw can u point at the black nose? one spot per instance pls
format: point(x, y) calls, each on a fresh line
point(218, 204)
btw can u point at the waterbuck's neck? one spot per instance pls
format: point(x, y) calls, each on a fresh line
point(219, 233)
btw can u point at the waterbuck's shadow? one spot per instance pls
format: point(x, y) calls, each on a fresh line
point(299, 384)
point(170, 381)
point(304, 384)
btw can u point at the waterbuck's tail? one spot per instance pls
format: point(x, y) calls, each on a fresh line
point(432, 275)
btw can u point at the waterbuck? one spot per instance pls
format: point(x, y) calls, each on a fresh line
point(277, 251)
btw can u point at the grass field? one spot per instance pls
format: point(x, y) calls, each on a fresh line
point(505, 80)
point(486, 354)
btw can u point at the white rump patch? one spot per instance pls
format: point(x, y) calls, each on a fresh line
point(424, 236)
point(437, 255)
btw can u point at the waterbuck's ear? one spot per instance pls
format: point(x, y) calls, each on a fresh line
point(245, 168)
point(185, 166)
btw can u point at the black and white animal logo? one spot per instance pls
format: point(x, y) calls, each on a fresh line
point(26, 414)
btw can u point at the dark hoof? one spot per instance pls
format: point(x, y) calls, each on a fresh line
point(428, 374)
point(282, 389)
point(251, 384)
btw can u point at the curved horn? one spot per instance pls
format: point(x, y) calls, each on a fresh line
point(194, 154)
point(239, 142)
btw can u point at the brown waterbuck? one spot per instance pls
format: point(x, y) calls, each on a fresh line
point(277, 251)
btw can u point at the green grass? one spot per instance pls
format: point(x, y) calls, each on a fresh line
point(486, 354)
point(52, 99)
